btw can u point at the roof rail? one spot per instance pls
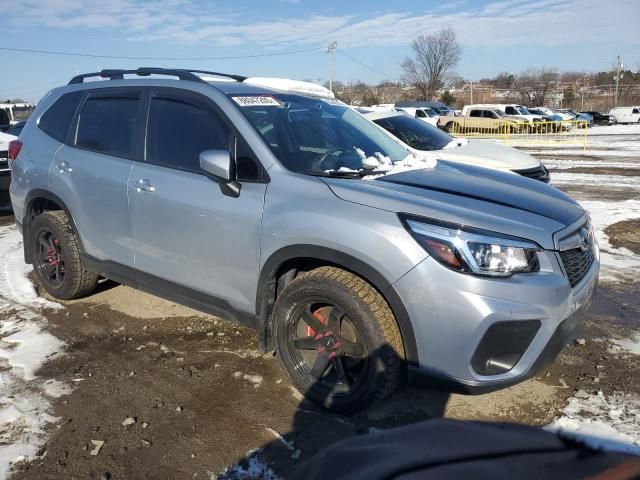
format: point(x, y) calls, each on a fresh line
point(238, 78)
point(182, 74)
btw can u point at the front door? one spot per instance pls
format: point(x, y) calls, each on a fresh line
point(189, 236)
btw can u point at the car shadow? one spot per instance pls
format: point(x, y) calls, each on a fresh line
point(315, 428)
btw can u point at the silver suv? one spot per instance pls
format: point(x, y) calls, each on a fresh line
point(293, 214)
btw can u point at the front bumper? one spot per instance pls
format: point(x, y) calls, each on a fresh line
point(451, 313)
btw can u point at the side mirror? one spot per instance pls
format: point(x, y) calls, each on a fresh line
point(218, 164)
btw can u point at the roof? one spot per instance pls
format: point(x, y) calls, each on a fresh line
point(418, 104)
point(383, 114)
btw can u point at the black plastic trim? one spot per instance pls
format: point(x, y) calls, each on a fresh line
point(168, 290)
point(265, 297)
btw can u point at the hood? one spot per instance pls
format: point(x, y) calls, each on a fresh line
point(479, 197)
point(5, 138)
point(489, 154)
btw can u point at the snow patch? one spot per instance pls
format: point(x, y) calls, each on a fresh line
point(253, 467)
point(611, 423)
point(24, 347)
point(631, 344)
point(616, 263)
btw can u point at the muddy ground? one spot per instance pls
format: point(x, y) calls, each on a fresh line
point(202, 396)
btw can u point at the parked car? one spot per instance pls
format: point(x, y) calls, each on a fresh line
point(16, 128)
point(583, 120)
point(12, 113)
point(599, 118)
point(482, 120)
point(550, 122)
point(418, 137)
point(5, 171)
point(625, 114)
point(425, 114)
point(289, 212)
point(513, 111)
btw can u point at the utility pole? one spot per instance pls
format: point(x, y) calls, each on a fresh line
point(617, 79)
point(330, 48)
point(471, 92)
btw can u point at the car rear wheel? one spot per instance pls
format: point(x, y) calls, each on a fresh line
point(56, 257)
point(338, 339)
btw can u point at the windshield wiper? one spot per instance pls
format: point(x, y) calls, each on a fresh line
point(347, 174)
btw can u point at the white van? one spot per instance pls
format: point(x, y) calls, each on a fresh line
point(625, 114)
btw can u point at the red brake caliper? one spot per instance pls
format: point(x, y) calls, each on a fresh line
point(333, 344)
point(52, 255)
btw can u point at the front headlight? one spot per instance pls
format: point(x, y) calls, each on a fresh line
point(470, 250)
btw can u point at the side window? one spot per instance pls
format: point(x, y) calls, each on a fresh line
point(420, 114)
point(177, 132)
point(107, 125)
point(510, 111)
point(635, 111)
point(57, 119)
point(475, 113)
point(490, 114)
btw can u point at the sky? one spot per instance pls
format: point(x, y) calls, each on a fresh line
point(372, 36)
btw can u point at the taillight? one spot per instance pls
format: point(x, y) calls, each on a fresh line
point(14, 150)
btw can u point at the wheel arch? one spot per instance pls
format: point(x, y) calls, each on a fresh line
point(283, 262)
point(37, 202)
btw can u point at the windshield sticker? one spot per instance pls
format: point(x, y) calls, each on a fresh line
point(262, 101)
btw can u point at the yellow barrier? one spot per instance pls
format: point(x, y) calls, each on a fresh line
point(565, 132)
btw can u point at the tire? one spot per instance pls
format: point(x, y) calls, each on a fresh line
point(56, 257)
point(448, 127)
point(355, 349)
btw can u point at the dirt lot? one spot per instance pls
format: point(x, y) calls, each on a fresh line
point(196, 396)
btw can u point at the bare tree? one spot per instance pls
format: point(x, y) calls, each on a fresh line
point(534, 85)
point(434, 56)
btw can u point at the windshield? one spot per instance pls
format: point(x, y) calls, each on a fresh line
point(416, 134)
point(523, 110)
point(312, 135)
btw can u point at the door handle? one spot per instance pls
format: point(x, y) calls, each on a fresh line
point(143, 184)
point(64, 167)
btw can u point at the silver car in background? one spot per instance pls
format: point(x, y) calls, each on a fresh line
point(291, 213)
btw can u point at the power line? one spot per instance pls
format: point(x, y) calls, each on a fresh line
point(368, 66)
point(121, 57)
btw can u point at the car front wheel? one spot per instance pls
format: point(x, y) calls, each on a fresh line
point(338, 339)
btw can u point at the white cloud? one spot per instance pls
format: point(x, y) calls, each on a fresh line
point(499, 23)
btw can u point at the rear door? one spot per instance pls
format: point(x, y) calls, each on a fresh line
point(90, 172)
point(191, 238)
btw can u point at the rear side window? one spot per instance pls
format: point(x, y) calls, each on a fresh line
point(107, 125)
point(57, 119)
point(475, 113)
point(178, 132)
point(635, 111)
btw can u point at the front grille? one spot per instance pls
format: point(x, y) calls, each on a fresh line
point(577, 262)
point(538, 173)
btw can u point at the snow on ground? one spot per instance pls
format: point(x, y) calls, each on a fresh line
point(24, 347)
point(616, 263)
point(253, 468)
point(630, 345)
point(614, 130)
point(611, 423)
